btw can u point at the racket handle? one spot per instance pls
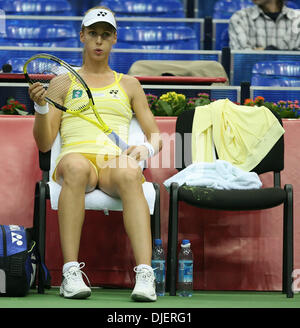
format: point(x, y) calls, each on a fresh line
point(118, 141)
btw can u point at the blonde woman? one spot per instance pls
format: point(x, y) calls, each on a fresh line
point(85, 164)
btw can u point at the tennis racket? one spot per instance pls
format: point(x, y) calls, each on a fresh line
point(57, 77)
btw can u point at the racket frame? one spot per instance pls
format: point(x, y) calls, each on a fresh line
point(69, 68)
point(100, 124)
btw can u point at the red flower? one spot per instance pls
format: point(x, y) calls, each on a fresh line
point(259, 98)
point(12, 106)
point(249, 102)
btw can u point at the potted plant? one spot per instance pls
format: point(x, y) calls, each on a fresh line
point(13, 107)
point(173, 104)
point(285, 108)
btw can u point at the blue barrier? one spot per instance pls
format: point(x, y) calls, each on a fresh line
point(206, 8)
point(278, 68)
point(220, 34)
point(120, 59)
point(157, 37)
point(17, 63)
point(276, 73)
point(243, 62)
point(260, 80)
point(275, 94)
point(223, 9)
point(37, 31)
point(36, 7)
point(138, 8)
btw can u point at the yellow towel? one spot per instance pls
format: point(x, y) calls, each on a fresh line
point(242, 135)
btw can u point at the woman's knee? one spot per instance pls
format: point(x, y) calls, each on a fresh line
point(121, 175)
point(129, 177)
point(75, 170)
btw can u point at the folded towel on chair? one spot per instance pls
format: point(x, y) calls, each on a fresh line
point(218, 175)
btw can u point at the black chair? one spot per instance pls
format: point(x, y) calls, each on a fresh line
point(231, 200)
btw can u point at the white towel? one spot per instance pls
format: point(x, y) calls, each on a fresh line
point(218, 175)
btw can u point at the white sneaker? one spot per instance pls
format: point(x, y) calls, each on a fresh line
point(144, 289)
point(72, 285)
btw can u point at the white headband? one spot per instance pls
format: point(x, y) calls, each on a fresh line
point(99, 15)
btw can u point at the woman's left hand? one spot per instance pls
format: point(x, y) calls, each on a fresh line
point(139, 153)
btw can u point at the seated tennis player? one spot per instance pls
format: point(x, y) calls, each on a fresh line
point(85, 163)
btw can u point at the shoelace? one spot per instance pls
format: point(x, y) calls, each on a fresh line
point(144, 275)
point(75, 273)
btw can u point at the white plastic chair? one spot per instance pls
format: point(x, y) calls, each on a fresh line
point(95, 200)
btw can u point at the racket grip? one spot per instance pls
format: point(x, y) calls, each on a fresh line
point(118, 141)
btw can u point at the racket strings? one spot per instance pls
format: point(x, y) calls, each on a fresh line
point(62, 86)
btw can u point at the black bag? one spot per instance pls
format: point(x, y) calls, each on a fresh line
point(19, 261)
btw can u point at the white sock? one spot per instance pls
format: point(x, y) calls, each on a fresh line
point(146, 266)
point(68, 265)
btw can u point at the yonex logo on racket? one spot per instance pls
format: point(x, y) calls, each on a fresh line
point(102, 13)
point(77, 94)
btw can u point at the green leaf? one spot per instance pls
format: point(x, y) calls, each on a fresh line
point(165, 108)
point(8, 99)
point(179, 111)
point(202, 102)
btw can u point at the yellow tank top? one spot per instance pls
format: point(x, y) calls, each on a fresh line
point(81, 136)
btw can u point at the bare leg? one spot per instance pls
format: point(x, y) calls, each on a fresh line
point(122, 177)
point(76, 175)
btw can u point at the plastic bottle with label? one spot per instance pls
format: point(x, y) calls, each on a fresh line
point(158, 264)
point(185, 270)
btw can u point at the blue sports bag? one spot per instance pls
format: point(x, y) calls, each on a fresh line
point(19, 261)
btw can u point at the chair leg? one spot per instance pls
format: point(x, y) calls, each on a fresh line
point(40, 228)
point(155, 217)
point(172, 240)
point(288, 243)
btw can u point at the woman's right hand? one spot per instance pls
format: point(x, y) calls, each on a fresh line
point(37, 93)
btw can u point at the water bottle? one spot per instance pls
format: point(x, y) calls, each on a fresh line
point(158, 264)
point(185, 270)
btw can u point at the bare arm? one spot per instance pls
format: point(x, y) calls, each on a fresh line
point(143, 113)
point(46, 126)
